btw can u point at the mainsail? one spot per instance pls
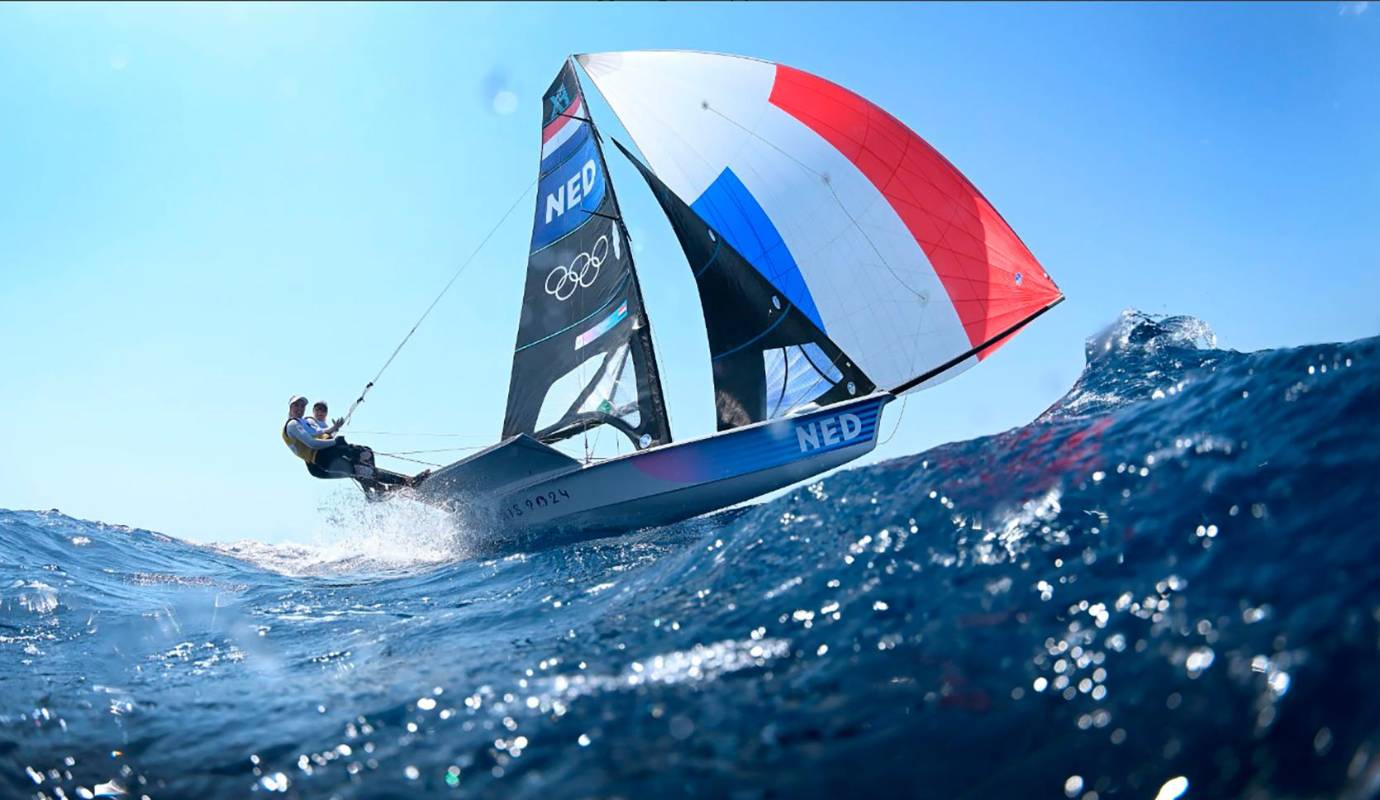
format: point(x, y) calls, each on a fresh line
point(862, 226)
point(584, 351)
point(769, 359)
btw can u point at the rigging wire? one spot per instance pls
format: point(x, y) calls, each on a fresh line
point(405, 458)
point(438, 450)
point(905, 398)
point(350, 413)
point(419, 435)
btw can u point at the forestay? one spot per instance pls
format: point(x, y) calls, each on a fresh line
point(867, 230)
point(584, 350)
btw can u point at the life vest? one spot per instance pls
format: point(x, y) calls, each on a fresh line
point(298, 449)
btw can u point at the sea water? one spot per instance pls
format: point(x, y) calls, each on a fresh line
point(1166, 585)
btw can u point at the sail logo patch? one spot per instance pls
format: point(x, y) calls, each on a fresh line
point(559, 100)
point(619, 314)
point(828, 432)
point(568, 195)
point(564, 280)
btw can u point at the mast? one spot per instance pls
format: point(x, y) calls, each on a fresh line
point(644, 343)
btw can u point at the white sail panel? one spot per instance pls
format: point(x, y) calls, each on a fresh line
point(891, 251)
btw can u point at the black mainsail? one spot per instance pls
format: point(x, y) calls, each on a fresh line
point(768, 357)
point(584, 352)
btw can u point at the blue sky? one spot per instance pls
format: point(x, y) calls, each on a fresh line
point(209, 208)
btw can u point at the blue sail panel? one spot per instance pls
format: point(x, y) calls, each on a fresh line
point(731, 210)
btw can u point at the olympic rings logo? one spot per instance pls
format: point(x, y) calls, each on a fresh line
point(563, 281)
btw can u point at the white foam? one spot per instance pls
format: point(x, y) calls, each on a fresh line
point(356, 536)
point(36, 596)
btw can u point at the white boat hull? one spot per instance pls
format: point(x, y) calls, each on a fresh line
point(523, 489)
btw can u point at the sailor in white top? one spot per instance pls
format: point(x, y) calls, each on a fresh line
point(317, 423)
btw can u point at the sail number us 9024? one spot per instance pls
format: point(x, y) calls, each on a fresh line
point(533, 502)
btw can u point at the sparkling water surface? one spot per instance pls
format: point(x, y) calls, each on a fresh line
point(1166, 586)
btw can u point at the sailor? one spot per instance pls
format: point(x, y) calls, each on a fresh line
point(317, 421)
point(326, 455)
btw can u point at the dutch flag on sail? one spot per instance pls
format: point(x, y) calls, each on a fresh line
point(562, 128)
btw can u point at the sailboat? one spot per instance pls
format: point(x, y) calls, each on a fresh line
point(840, 262)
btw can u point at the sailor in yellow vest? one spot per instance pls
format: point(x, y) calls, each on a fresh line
point(326, 455)
point(330, 456)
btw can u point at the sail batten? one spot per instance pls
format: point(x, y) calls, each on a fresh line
point(583, 355)
point(862, 225)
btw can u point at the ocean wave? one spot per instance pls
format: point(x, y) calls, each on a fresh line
point(1163, 586)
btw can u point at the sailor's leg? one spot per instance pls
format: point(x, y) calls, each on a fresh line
point(359, 460)
point(337, 461)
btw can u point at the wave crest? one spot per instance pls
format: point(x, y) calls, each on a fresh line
point(1135, 358)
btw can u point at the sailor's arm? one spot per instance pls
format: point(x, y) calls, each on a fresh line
point(319, 429)
point(303, 434)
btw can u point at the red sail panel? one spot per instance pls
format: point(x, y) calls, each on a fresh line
point(991, 277)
